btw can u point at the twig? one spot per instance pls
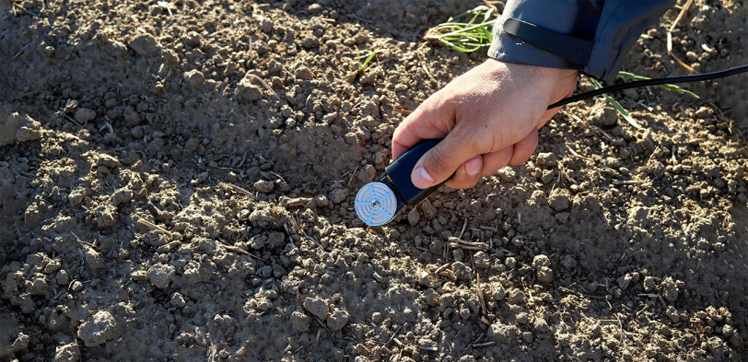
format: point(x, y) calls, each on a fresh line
point(670, 36)
point(237, 249)
point(393, 335)
point(354, 174)
point(254, 77)
point(266, 60)
point(238, 189)
point(154, 226)
point(484, 344)
point(480, 295)
point(464, 225)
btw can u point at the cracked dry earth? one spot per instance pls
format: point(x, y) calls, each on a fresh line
point(171, 193)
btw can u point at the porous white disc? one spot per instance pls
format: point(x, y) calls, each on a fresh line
point(375, 204)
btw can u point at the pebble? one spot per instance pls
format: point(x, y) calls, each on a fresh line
point(68, 353)
point(264, 186)
point(145, 45)
point(321, 201)
point(516, 296)
point(317, 307)
point(547, 159)
point(603, 115)
point(97, 330)
point(559, 200)
point(338, 195)
point(670, 290)
point(194, 78)
point(84, 115)
point(545, 275)
point(413, 217)
point(161, 275)
point(338, 320)
point(300, 322)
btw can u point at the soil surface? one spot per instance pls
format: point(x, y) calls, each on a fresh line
point(177, 183)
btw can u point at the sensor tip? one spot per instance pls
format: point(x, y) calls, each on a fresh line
point(375, 204)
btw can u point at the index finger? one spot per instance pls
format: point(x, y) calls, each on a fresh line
point(432, 119)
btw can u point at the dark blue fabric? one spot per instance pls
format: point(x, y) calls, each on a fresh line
point(613, 26)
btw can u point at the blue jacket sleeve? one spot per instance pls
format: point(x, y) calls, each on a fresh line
point(591, 36)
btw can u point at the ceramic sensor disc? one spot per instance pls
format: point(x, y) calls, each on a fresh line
point(376, 204)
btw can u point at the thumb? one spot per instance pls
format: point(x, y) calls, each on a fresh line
point(439, 163)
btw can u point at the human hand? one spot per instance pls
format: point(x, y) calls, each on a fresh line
point(489, 117)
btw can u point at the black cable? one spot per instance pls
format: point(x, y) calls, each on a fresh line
point(648, 82)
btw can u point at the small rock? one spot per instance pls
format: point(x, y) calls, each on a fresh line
point(315, 8)
point(516, 296)
point(84, 115)
point(98, 330)
point(649, 283)
point(177, 300)
point(547, 159)
point(338, 195)
point(18, 128)
point(481, 260)
point(145, 45)
point(672, 313)
point(300, 322)
point(310, 42)
point(413, 217)
point(522, 318)
point(317, 307)
point(626, 280)
point(540, 260)
point(704, 112)
point(559, 200)
point(603, 115)
point(68, 353)
point(192, 39)
point(545, 275)
point(194, 78)
point(121, 196)
point(264, 186)
point(497, 291)
point(21, 343)
point(670, 290)
point(246, 91)
point(107, 160)
point(53, 266)
point(160, 275)
point(304, 73)
point(338, 320)
point(321, 201)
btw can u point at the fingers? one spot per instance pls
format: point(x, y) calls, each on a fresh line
point(468, 174)
point(495, 161)
point(524, 148)
point(439, 163)
point(431, 120)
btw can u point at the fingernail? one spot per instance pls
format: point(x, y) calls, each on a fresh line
point(422, 179)
point(474, 166)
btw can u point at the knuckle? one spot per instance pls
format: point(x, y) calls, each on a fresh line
point(438, 160)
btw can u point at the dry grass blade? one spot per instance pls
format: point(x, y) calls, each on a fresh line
point(670, 36)
point(238, 189)
point(153, 226)
point(480, 295)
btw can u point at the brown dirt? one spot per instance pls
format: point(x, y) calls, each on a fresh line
point(159, 203)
